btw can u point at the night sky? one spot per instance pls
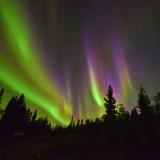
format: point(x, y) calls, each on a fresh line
point(63, 54)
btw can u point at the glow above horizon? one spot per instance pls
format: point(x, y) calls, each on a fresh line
point(62, 72)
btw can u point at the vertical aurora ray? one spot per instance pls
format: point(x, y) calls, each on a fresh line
point(16, 84)
point(65, 60)
point(122, 70)
point(18, 35)
point(20, 42)
point(67, 98)
point(120, 78)
point(95, 90)
point(94, 87)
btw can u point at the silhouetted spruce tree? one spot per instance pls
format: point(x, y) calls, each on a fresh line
point(146, 126)
point(134, 114)
point(120, 111)
point(34, 117)
point(88, 126)
point(144, 103)
point(156, 108)
point(43, 126)
point(157, 116)
point(157, 104)
point(110, 119)
point(16, 116)
point(32, 126)
point(71, 124)
point(78, 123)
point(1, 94)
point(110, 104)
point(81, 124)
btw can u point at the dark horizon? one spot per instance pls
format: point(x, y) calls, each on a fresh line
point(116, 134)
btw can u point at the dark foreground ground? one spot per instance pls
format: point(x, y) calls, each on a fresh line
point(70, 148)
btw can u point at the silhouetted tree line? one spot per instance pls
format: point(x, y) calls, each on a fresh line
point(116, 127)
point(18, 120)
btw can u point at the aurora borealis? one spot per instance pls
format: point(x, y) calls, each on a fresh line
point(63, 54)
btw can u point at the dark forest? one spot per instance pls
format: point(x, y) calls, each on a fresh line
point(116, 133)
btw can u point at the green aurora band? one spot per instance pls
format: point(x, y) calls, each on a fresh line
point(23, 71)
point(20, 43)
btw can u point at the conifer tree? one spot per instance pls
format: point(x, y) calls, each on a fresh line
point(144, 103)
point(1, 94)
point(110, 104)
point(157, 103)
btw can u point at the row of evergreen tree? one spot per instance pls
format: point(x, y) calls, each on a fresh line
point(17, 119)
point(117, 126)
